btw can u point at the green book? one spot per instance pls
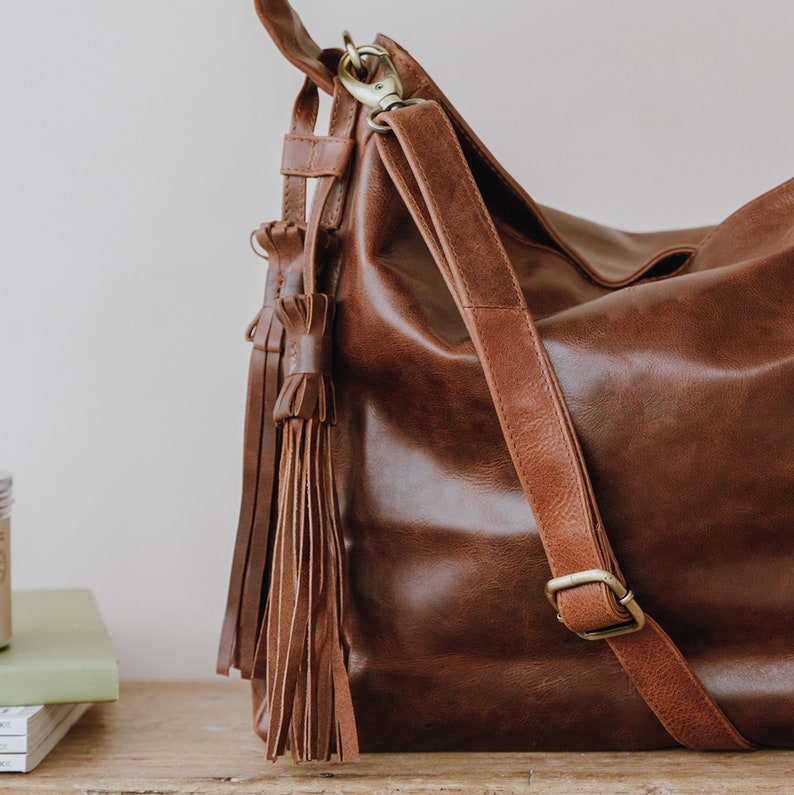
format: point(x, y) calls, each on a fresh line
point(60, 652)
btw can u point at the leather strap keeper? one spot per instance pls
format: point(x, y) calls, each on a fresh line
point(313, 156)
point(309, 354)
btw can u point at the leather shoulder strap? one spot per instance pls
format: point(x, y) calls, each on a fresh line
point(429, 169)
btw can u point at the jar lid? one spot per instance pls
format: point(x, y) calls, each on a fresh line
point(5, 482)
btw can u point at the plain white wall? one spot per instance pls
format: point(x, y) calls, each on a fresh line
point(140, 143)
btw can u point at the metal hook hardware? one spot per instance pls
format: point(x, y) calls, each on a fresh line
point(384, 93)
point(355, 59)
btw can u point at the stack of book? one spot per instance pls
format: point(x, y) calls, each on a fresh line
point(59, 662)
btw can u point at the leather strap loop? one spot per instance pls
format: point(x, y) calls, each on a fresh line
point(308, 354)
point(316, 156)
point(429, 169)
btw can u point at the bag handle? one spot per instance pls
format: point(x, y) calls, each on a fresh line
point(294, 41)
point(428, 167)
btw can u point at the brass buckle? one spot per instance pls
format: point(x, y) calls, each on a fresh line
point(624, 596)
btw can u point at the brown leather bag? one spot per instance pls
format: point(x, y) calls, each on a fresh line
point(525, 408)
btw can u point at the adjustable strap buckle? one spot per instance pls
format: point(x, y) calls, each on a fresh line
point(625, 598)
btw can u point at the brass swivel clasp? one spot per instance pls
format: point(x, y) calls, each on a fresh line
point(384, 93)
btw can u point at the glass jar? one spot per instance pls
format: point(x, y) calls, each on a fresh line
point(6, 500)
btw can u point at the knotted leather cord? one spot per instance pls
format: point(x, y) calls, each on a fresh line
point(429, 169)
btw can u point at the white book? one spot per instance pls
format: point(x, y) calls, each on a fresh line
point(45, 718)
point(35, 723)
point(14, 744)
point(24, 762)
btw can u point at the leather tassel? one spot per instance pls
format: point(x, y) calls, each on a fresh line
point(305, 639)
point(245, 606)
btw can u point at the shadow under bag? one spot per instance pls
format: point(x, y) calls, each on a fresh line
point(512, 480)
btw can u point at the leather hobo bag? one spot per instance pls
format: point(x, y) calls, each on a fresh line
point(512, 480)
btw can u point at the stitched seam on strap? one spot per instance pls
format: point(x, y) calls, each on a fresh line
point(298, 109)
point(715, 714)
point(288, 199)
point(439, 255)
point(334, 139)
point(505, 417)
point(484, 217)
point(460, 273)
point(294, 208)
point(311, 172)
point(714, 710)
point(334, 114)
point(352, 110)
point(312, 154)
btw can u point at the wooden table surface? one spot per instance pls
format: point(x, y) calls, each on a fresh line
point(168, 738)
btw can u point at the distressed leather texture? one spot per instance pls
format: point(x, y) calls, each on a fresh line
point(673, 354)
